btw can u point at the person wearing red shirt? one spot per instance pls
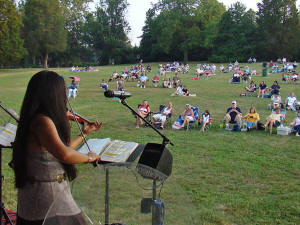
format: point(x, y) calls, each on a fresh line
point(143, 111)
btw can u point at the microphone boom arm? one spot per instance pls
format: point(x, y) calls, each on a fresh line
point(165, 139)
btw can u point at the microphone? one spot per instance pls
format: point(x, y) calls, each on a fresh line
point(118, 94)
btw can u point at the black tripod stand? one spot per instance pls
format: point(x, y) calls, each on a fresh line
point(3, 213)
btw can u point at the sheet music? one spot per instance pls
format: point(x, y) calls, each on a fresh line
point(118, 151)
point(110, 150)
point(7, 134)
point(96, 145)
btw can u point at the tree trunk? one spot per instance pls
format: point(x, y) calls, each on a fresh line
point(46, 60)
point(185, 56)
point(33, 60)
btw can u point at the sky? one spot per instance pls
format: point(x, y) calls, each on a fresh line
point(137, 14)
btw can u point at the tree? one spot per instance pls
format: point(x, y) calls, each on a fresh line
point(11, 44)
point(148, 38)
point(176, 22)
point(117, 28)
point(278, 28)
point(236, 38)
point(105, 31)
point(75, 12)
point(44, 29)
point(179, 28)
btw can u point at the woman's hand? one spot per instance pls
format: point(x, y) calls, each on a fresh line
point(93, 157)
point(91, 127)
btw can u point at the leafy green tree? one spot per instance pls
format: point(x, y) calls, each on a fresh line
point(278, 28)
point(148, 38)
point(176, 25)
point(105, 31)
point(75, 12)
point(44, 29)
point(11, 44)
point(236, 38)
point(181, 28)
point(117, 28)
point(209, 15)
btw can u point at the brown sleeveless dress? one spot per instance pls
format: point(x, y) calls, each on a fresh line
point(44, 195)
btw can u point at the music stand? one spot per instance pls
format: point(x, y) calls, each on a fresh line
point(106, 166)
point(2, 211)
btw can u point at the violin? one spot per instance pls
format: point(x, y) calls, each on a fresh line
point(73, 116)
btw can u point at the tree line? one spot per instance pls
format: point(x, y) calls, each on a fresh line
point(66, 32)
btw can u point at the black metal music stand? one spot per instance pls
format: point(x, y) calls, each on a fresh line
point(2, 211)
point(164, 143)
point(106, 165)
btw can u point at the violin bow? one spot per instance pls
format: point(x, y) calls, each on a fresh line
point(81, 133)
point(15, 117)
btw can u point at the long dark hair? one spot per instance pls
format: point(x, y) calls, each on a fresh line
point(45, 94)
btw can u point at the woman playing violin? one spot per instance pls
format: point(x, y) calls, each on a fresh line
point(44, 154)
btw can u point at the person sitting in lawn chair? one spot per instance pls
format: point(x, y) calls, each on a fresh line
point(233, 115)
point(205, 120)
point(291, 102)
point(275, 102)
point(188, 116)
point(275, 88)
point(236, 78)
point(165, 113)
point(143, 80)
point(274, 120)
point(73, 89)
point(252, 118)
point(114, 76)
point(176, 80)
point(143, 111)
point(155, 80)
point(104, 85)
point(251, 87)
point(149, 68)
point(262, 89)
point(296, 124)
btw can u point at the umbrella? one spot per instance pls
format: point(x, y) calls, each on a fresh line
point(75, 78)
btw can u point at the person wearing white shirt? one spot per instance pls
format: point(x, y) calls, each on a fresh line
point(291, 102)
point(296, 124)
point(143, 80)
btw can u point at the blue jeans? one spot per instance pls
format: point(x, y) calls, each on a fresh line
point(297, 128)
point(250, 124)
point(105, 87)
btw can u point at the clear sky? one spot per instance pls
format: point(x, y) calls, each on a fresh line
point(137, 14)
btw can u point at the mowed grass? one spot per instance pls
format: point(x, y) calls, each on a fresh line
point(218, 177)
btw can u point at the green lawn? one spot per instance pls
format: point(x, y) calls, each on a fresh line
point(219, 177)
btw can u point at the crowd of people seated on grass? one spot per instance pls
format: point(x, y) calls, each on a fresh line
point(290, 77)
point(85, 69)
point(252, 119)
point(205, 70)
point(174, 67)
point(233, 116)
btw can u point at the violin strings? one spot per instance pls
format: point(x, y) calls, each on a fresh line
point(81, 133)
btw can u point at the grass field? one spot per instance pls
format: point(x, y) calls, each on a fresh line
point(219, 177)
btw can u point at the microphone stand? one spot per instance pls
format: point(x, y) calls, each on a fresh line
point(106, 168)
point(165, 139)
point(164, 143)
